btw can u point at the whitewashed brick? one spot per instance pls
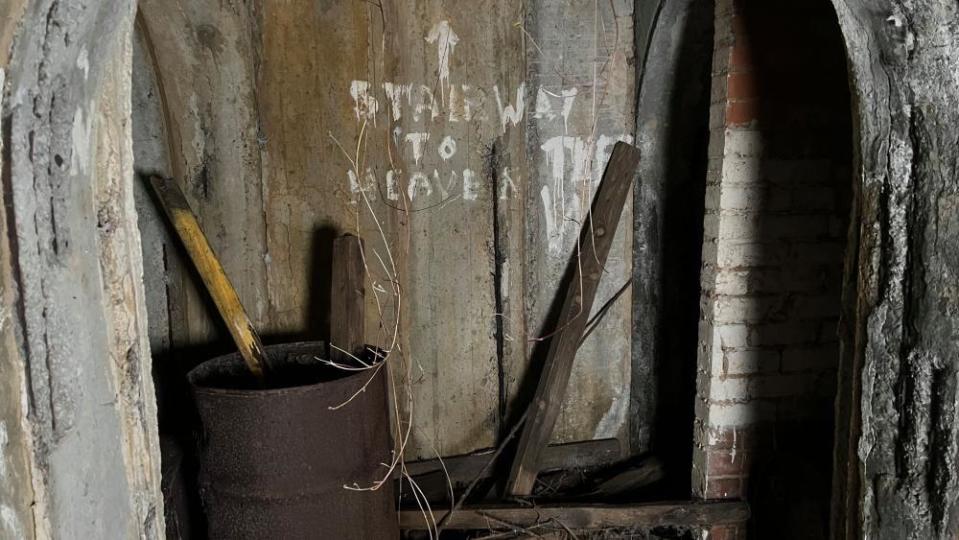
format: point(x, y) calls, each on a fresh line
point(738, 227)
point(710, 251)
point(717, 114)
point(741, 170)
point(787, 333)
point(734, 309)
point(713, 196)
point(732, 335)
point(748, 198)
point(711, 225)
point(740, 414)
point(742, 253)
point(732, 282)
point(714, 166)
point(716, 145)
point(743, 143)
point(729, 389)
point(743, 362)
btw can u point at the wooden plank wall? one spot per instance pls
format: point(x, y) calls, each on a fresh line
point(462, 140)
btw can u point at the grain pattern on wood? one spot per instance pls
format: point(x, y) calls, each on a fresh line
point(589, 264)
point(211, 271)
point(586, 517)
point(347, 299)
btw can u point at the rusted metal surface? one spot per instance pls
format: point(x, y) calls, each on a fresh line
point(275, 461)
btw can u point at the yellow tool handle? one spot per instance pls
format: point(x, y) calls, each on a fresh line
point(211, 271)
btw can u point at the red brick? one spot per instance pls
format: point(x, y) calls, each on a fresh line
point(722, 462)
point(730, 487)
point(741, 57)
point(727, 532)
point(741, 85)
point(741, 113)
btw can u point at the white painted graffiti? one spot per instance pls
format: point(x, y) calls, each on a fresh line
point(423, 115)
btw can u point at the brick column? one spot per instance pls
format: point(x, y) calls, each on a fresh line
point(776, 202)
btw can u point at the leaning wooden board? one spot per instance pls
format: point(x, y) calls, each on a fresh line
point(588, 264)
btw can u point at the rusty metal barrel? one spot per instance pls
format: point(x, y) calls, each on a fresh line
point(274, 459)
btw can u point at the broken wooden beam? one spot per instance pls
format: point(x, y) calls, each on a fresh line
point(585, 516)
point(594, 244)
point(347, 299)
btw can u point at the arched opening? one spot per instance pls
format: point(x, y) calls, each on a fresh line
point(778, 200)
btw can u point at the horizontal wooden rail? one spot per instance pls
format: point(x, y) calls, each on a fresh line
point(465, 468)
point(584, 517)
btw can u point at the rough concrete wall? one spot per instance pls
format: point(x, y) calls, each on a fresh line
point(16, 475)
point(898, 469)
point(80, 325)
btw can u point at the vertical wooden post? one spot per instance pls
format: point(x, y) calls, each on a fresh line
point(347, 298)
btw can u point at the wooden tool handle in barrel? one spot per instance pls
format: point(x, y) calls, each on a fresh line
point(211, 271)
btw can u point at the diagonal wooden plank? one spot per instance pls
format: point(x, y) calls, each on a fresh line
point(594, 244)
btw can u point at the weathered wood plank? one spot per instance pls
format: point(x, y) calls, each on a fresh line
point(589, 265)
point(585, 517)
point(580, 79)
point(217, 283)
point(347, 299)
